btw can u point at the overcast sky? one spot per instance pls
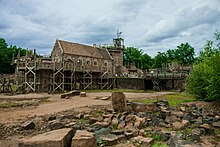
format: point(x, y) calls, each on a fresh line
point(150, 25)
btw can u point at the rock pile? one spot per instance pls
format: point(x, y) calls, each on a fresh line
point(137, 125)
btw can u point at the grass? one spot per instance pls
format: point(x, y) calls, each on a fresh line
point(174, 99)
point(23, 104)
point(157, 137)
point(10, 105)
point(217, 131)
point(119, 90)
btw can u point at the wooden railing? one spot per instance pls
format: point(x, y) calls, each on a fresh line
point(173, 75)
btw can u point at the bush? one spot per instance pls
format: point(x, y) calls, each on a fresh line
point(204, 81)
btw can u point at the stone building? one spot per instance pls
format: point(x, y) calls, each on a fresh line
point(71, 66)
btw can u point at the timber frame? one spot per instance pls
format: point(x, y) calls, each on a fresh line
point(35, 74)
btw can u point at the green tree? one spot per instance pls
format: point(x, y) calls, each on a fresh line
point(7, 54)
point(160, 59)
point(204, 81)
point(185, 53)
point(146, 61)
point(133, 55)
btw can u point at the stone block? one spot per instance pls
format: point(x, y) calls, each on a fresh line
point(119, 103)
point(84, 138)
point(82, 94)
point(55, 138)
point(29, 125)
point(70, 94)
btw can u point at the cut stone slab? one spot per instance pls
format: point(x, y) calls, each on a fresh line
point(84, 138)
point(70, 94)
point(55, 138)
point(105, 98)
point(119, 103)
point(82, 94)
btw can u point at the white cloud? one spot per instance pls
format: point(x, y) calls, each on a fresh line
point(150, 25)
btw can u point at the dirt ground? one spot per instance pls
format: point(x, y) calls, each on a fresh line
point(56, 104)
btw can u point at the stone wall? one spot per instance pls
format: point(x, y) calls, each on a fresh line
point(130, 83)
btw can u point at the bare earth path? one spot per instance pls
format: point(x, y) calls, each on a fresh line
point(56, 104)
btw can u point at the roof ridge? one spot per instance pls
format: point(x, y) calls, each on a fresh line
point(76, 43)
point(83, 50)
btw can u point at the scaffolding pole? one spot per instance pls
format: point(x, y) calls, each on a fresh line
point(58, 76)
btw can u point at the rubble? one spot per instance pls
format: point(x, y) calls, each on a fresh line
point(133, 126)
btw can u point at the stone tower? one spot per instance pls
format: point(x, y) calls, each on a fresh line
point(117, 50)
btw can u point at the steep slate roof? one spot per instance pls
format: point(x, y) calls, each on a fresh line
point(84, 50)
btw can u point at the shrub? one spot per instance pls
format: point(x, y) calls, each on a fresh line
point(204, 81)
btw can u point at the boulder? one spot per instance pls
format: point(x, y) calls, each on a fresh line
point(102, 131)
point(196, 133)
point(143, 141)
point(55, 138)
point(79, 116)
point(171, 119)
point(178, 114)
point(121, 125)
point(130, 118)
point(99, 125)
point(93, 120)
point(119, 103)
point(180, 125)
point(84, 138)
point(216, 124)
point(117, 132)
point(217, 118)
point(112, 139)
point(114, 122)
point(132, 132)
point(208, 129)
point(55, 124)
point(139, 122)
point(28, 125)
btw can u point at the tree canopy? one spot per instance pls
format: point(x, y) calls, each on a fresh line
point(137, 57)
point(183, 54)
point(7, 54)
point(204, 81)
